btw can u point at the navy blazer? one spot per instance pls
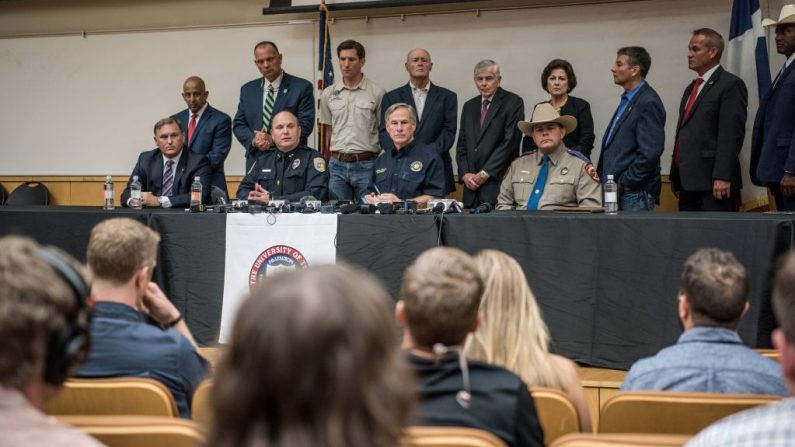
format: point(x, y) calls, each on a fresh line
point(773, 140)
point(149, 169)
point(295, 95)
point(711, 138)
point(436, 127)
point(492, 147)
point(632, 155)
point(212, 137)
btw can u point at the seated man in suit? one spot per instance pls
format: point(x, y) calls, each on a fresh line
point(44, 328)
point(410, 170)
point(709, 356)
point(290, 172)
point(136, 331)
point(550, 175)
point(438, 308)
point(167, 172)
point(209, 129)
point(437, 111)
point(262, 98)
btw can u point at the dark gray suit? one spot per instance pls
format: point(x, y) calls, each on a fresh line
point(490, 148)
point(710, 140)
point(149, 169)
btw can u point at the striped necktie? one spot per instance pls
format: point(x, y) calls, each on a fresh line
point(168, 179)
point(267, 109)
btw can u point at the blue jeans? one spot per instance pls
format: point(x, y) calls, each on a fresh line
point(349, 181)
point(636, 201)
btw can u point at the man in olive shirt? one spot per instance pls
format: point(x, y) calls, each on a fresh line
point(350, 111)
point(552, 175)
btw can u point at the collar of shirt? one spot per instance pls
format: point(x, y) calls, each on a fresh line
point(789, 60)
point(176, 159)
point(631, 94)
point(288, 154)
point(405, 150)
point(199, 115)
point(554, 157)
point(276, 83)
point(415, 89)
point(490, 99)
point(339, 86)
point(710, 334)
point(118, 311)
point(708, 74)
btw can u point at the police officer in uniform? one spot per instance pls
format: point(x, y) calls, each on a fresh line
point(289, 173)
point(410, 171)
point(551, 176)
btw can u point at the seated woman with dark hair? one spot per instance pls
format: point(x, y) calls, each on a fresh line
point(313, 361)
point(513, 335)
point(558, 80)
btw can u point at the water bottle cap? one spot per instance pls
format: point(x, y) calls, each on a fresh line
point(135, 178)
point(610, 176)
point(107, 177)
point(196, 179)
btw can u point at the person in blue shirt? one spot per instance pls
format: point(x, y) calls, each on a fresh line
point(136, 331)
point(409, 171)
point(709, 356)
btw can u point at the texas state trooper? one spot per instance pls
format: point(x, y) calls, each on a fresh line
point(289, 173)
point(552, 175)
point(409, 171)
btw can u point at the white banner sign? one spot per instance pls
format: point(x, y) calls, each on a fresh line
point(260, 244)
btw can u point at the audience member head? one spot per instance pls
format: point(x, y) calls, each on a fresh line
point(169, 137)
point(558, 77)
point(43, 317)
point(784, 310)
point(704, 50)
point(313, 360)
point(512, 333)
point(285, 131)
point(400, 120)
point(439, 300)
point(713, 290)
point(631, 66)
point(194, 93)
point(268, 60)
point(487, 78)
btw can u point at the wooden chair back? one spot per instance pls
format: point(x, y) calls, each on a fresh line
point(556, 413)
point(136, 431)
point(449, 437)
point(201, 407)
point(114, 396)
point(617, 440)
point(672, 412)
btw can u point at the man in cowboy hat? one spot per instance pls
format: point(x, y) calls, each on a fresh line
point(552, 175)
point(772, 144)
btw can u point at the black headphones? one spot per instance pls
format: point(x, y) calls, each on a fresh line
point(69, 343)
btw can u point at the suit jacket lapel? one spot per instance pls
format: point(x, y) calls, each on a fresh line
point(156, 174)
point(208, 113)
point(496, 103)
point(284, 87)
point(707, 86)
point(179, 173)
point(430, 100)
point(627, 112)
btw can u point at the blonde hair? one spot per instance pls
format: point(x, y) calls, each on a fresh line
point(512, 333)
point(119, 247)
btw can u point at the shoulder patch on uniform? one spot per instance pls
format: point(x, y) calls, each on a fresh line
point(416, 166)
point(320, 164)
point(591, 171)
point(579, 155)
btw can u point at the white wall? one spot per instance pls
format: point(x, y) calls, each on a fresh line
point(85, 106)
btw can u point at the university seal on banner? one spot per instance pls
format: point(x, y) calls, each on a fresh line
point(273, 259)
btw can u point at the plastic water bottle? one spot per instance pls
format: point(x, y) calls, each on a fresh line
point(109, 198)
point(611, 196)
point(195, 195)
point(135, 193)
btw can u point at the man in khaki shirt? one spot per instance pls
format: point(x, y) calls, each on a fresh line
point(349, 111)
point(568, 179)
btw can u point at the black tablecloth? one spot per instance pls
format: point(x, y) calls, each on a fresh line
point(607, 285)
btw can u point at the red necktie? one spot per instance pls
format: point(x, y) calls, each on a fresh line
point(191, 127)
point(484, 111)
point(690, 101)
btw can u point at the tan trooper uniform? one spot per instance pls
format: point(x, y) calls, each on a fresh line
point(571, 181)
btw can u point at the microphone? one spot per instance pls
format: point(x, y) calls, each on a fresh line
point(348, 208)
point(483, 208)
point(311, 204)
point(438, 208)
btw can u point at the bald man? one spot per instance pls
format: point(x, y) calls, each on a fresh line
point(208, 131)
point(436, 109)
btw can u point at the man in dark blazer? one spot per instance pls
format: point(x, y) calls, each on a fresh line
point(209, 130)
point(153, 170)
point(489, 139)
point(436, 106)
point(635, 138)
point(252, 120)
point(705, 170)
point(773, 141)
